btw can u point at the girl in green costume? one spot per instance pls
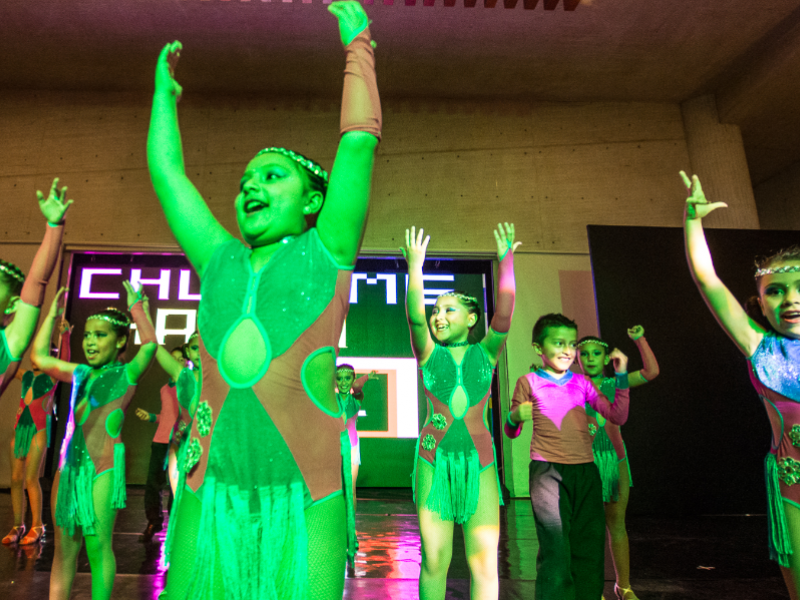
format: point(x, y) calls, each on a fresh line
point(89, 487)
point(455, 475)
point(263, 513)
point(31, 439)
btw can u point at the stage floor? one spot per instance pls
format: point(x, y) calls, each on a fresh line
point(704, 558)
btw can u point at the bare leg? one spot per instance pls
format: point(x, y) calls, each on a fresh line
point(436, 540)
point(172, 468)
point(481, 538)
point(791, 575)
point(102, 561)
point(33, 465)
point(65, 558)
point(354, 471)
point(17, 488)
point(618, 534)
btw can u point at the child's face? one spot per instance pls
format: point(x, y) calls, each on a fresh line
point(779, 297)
point(592, 358)
point(271, 200)
point(450, 320)
point(178, 355)
point(193, 351)
point(557, 351)
point(101, 345)
point(344, 381)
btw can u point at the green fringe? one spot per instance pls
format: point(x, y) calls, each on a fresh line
point(780, 543)
point(120, 494)
point(456, 486)
point(414, 472)
point(261, 556)
point(24, 434)
point(75, 504)
point(347, 482)
point(608, 465)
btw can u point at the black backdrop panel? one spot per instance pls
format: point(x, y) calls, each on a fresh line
point(697, 435)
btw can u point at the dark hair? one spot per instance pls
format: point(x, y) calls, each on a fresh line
point(119, 330)
point(469, 302)
point(753, 310)
point(181, 348)
point(784, 255)
point(14, 279)
point(550, 320)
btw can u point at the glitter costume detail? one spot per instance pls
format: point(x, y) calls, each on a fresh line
point(35, 410)
point(88, 449)
point(785, 269)
point(604, 444)
point(459, 447)
point(794, 435)
point(203, 419)
point(774, 374)
point(259, 467)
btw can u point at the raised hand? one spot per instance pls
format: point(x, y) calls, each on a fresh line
point(619, 359)
point(372, 375)
point(134, 295)
point(504, 235)
point(416, 247)
point(352, 19)
point(697, 207)
point(635, 332)
point(142, 414)
point(54, 206)
point(165, 69)
point(56, 310)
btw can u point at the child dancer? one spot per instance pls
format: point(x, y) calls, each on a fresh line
point(773, 353)
point(350, 405)
point(21, 297)
point(31, 439)
point(89, 487)
point(566, 492)
point(455, 474)
point(610, 455)
point(264, 513)
point(167, 420)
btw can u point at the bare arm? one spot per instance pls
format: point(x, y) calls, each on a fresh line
point(744, 332)
point(650, 369)
point(343, 216)
point(20, 331)
point(414, 252)
point(140, 310)
point(197, 230)
point(168, 363)
point(495, 338)
point(617, 411)
point(56, 368)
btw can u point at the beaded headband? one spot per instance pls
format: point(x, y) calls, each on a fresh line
point(108, 319)
point(348, 369)
point(464, 297)
point(191, 337)
point(598, 342)
point(304, 162)
point(12, 273)
point(777, 270)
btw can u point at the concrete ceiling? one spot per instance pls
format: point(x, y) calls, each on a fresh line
point(745, 51)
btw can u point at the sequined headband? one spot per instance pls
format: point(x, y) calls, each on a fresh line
point(777, 270)
point(598, 342)
point(345, 369)
point(12, 273)
point(464, 297)
point(112, 320)
point(304, 162)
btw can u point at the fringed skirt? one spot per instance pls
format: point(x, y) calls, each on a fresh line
point(780, 543)
point(456, 485)
point(605, 457)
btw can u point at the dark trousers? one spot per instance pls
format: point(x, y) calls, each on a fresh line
point(156, 480)
point(570, 523)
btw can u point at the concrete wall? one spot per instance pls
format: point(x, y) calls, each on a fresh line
point(778, 200)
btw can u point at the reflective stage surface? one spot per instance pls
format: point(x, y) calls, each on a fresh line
point(672, 559)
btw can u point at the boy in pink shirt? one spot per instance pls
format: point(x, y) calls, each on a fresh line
point(565, 487)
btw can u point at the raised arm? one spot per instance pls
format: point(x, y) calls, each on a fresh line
point(744, 332)
point(41, 358)
point(616, 411)
point(341, 221)
point(521, 408)
point(414, 252)
point(358, 384)
point(54, 208)
point(649, 371)
point(197, 230)
point(168, 363)
point(494, 340)
point(140, 309)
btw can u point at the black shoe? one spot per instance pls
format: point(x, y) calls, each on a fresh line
point(150, 531)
